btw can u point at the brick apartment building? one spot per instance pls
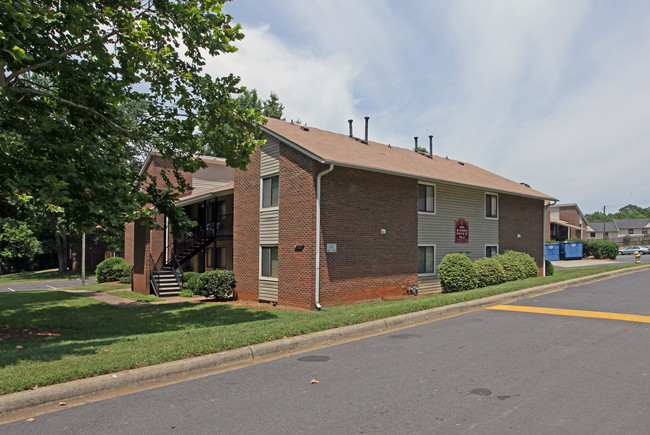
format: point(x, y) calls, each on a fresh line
point(320, 219)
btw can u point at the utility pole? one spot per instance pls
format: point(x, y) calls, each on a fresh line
point(83, 258)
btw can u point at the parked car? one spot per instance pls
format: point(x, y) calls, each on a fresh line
point(632, 249)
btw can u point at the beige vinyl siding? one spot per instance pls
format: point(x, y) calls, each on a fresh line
point(269, 227)
point(270, 158)
point(268, 290)
point(428, 285)
point(454, 202)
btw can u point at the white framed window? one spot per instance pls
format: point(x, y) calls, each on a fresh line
point(427, 198)
point(270, 191)
point(491, 206)
point(426, 260)
point(491, 250)
point(269, 262)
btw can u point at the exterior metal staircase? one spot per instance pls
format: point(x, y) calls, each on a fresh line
point(166, 283)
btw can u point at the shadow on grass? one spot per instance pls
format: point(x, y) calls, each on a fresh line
point(88, 325)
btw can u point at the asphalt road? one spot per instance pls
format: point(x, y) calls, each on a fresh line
point(487, 371)
point(45, 285)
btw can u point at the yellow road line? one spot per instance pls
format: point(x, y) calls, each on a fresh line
point(574, 313)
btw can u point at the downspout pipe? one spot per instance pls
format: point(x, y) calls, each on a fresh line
point(318, 209)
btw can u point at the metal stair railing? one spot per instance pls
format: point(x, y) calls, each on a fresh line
point(154, 277)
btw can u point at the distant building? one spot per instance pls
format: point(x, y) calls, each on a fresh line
point(637, 229)
point(566, 221)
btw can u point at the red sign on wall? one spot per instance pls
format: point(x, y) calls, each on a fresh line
point(462, 231)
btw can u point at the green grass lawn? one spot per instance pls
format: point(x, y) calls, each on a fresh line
point(97, 338)
point(41, 275)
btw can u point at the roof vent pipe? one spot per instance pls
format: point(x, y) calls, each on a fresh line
point(350, 122)
point(430, 145)
point(366, 118)
point(415, 148)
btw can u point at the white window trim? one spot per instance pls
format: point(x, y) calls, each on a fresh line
point(435, 269)
point(485, 206)
point(435, 199)
point(273, 207)
point(267, 278)
point(491, 244)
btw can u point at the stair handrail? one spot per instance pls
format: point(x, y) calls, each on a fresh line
point(178, 271)
point(154, 277)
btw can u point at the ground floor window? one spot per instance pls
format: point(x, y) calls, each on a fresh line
point(630, 231)
point(426, 259)
point(491, 250)
point(269, 267)
point(215, 257)
point(644, 231)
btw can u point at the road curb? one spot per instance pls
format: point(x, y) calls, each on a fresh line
point(223, 360)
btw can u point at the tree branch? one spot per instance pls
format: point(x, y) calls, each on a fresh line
point(78, 106)
point(45, 63)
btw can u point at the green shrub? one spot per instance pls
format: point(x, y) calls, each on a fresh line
point(489, 272)
point(110, 269)
point(216, 283)
point(186, 293)
point(191, 280)
point(549, 268)
point(600, 249)
point(125, 277)
point(457, 273)
point(517, 265)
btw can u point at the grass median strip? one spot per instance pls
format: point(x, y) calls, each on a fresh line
point(90, 338)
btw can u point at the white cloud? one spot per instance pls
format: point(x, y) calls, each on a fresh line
point(524, 89)
point(318, 90)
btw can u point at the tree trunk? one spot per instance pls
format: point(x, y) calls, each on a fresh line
point(62, 251)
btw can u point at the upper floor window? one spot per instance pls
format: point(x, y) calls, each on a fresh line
point(491, 206)
point(270, 191)
point(426, 198)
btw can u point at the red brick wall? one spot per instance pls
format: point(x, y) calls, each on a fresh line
point(356, 206)
point(128, 242)
point(524, 216)
point(297, 226)
point(246, 231)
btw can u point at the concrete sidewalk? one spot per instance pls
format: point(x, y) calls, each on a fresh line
point(152, 376)
point(110, 299)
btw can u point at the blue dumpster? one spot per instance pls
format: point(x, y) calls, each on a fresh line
point(571, 250)
point(552, 251)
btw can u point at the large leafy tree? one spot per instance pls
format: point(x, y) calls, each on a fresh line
point(86, 87)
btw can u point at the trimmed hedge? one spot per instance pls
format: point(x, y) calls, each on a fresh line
point(191, 280)
point(112, 269)
point(457, 273)
point(517, 265)
point(600, 249)
point(126, 278)
point(489, 271)
point(216, 283)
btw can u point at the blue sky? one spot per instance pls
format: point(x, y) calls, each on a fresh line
point(552, 93)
